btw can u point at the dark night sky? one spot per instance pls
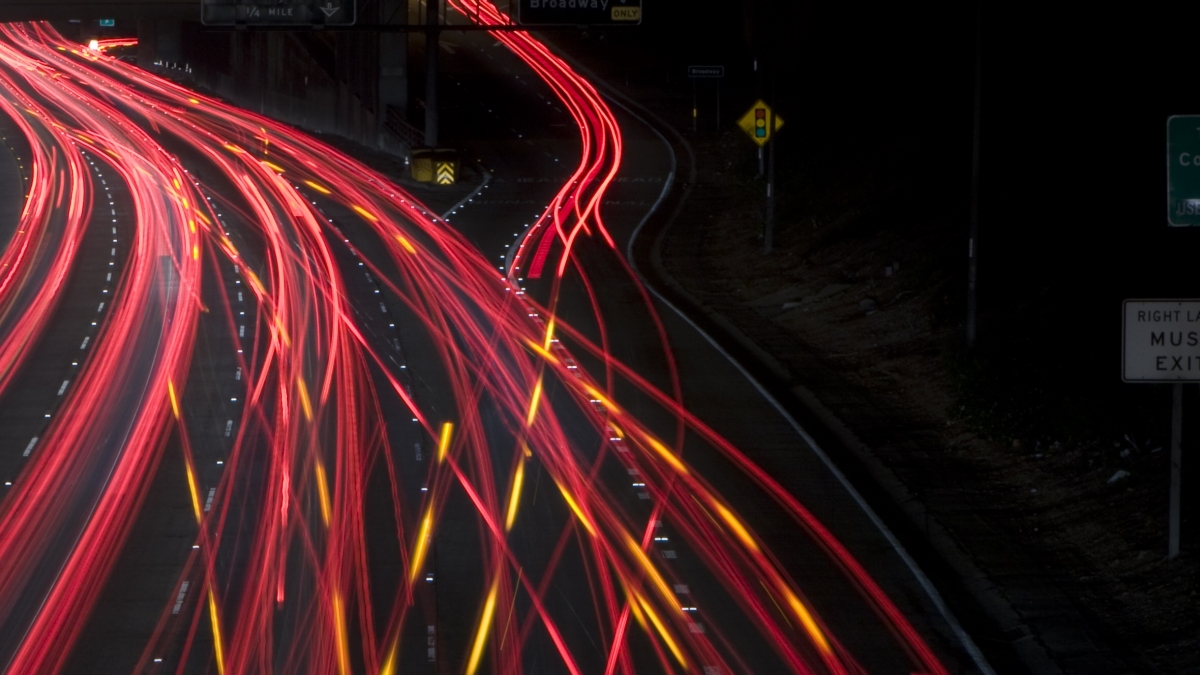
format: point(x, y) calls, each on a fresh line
point(1074, 108)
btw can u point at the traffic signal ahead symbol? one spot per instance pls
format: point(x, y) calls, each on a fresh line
point(754, 123)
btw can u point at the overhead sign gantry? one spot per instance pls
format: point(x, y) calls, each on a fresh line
point(277, 13)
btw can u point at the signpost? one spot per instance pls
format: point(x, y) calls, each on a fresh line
point(705, 72)
point(579, 12)
point(286, 13)
point(1161, 343)
point(1183, 170)
point(760, 123)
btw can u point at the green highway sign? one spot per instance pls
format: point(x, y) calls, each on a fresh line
point(1183, 170)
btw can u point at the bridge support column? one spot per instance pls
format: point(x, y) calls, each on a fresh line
point(393, 64)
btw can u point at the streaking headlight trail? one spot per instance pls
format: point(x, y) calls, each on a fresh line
point(242, 227)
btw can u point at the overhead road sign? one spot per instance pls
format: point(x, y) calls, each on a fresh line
point(296, 13)
point(108, 23)
point(755, 123)
point(706, 71)
point(1183, 170)
point(579, 12)
point(1161, 341)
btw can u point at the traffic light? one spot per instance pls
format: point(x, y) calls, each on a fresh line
point(760, 122)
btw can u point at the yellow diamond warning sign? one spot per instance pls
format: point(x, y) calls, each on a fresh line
point(756, 125)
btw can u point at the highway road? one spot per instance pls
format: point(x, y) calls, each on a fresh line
point(263, 409)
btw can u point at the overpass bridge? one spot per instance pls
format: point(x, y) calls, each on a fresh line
point(90, 10)
point(354, 84)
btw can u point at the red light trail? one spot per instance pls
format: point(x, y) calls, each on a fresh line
point(281, 548)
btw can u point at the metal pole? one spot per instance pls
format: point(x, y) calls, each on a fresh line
point(1176, 460)
point(432, 33)
point(718, 104)
point(973, 237)
point(694, 112)
point(771, 152)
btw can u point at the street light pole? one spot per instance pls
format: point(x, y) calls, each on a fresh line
point(432, 33)
point(973, 236)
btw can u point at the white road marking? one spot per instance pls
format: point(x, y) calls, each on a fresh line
point(179, 598)
point(85, 341)
point(228, 428)
point(29, 448)
point(63, 388)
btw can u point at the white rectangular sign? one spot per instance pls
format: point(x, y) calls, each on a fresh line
point(1161, 341)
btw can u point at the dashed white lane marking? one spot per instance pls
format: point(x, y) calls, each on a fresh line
point(29, 448)
point(63, 388)
point(179, 598)
point(100, 308)
point(228, 428)
point(241, 331)
point(85, 342)
point(208, 502)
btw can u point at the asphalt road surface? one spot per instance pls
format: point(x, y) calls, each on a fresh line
point(317, 428)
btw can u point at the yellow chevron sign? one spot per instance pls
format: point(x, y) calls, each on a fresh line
point(445, 172)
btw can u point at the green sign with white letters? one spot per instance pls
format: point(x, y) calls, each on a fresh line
point(1183, 170)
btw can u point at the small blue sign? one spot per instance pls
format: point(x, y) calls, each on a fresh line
point(107, 23)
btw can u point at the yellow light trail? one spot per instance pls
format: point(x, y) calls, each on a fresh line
point(405, 243)
point(587, 524)
point(444, 440)
point(323, 492)
point(734, 524)
point(389, 664)
point(485, 622)
point(174, 401)
point(809, 623)
point(339, 629)
point(533, 402)
point(514, 499)
point(537, 349)
point(595, 393)
point(549, 334)
point(666, 454)
point(318, 187)
point(662, 631)
point(218, 651)
point(418, 557)
point(659, 583)
point(305, 404)
point(364, 213)
point(191, 476)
